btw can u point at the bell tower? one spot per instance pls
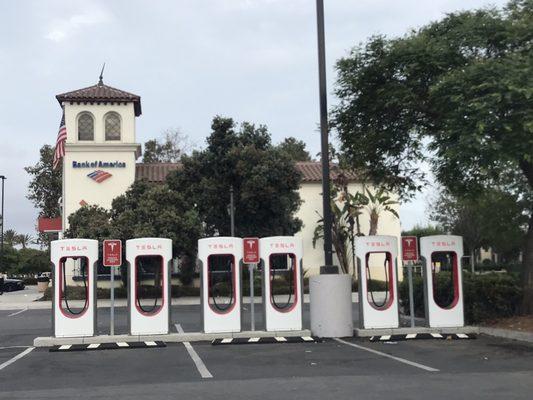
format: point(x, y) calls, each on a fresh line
point(101, 148)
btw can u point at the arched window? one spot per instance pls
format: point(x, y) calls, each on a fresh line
point(112, 126)
point(85, 126)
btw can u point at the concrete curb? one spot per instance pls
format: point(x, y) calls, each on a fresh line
point(421, 329)
point(169, 338)
point(507, 334)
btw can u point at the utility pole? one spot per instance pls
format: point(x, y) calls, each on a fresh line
point(328, 267)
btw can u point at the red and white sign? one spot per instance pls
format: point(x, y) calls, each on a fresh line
point(49, 224)
point(251, 250)
point(409, 248)
point(112, 253)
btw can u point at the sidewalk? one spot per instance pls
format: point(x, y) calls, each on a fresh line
point(20, 299)
point(26, 300)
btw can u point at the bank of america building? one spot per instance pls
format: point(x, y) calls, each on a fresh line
point(101, 153)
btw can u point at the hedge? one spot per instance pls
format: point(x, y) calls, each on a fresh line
point(486, 297)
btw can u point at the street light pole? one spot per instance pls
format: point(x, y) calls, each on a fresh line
point(232, 211)
point(2, 228)
point(328, 267)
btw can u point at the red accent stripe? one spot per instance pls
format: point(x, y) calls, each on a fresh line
point(102, 176)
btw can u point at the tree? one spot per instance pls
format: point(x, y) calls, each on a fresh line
point(424, 230)
point(24, 240)
point(10, 237)
point(44, 189)
point(32, 261)
point(151, 210)
point(456, 93)
point(169, 149)
point(347, 209)
point(90, 222)
point(377, 203)
point(494, 219)
point(264, 179)
point(145, 210)
point(295, 149)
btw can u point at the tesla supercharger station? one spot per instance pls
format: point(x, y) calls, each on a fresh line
point(281, 263)
point(443, 253)
point(74, 258)
point(149, 285)
point(220, 262)
point(375, 254)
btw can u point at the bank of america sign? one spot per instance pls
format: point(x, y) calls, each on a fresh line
point(99, 176)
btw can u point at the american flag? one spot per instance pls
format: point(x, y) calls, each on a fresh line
point(59, 152)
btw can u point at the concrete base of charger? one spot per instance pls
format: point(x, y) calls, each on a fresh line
point(331, 305)
point(169, 338)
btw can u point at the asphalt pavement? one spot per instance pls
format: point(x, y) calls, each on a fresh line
point(484, 368)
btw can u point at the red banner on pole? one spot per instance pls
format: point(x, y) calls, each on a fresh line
point(409, 248)
point(112, 253)
point(251, 250)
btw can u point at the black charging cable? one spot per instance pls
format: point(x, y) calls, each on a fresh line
point(229, 272)
point(385, 266)
point(65, 294)
point(272, 295)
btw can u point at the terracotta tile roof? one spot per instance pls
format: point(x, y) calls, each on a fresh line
point(311, 171)
point(154, 172)
point(101, 93)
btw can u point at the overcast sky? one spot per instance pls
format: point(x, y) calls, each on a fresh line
point(189, 60)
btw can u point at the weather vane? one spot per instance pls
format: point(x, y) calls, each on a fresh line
point(101, 79)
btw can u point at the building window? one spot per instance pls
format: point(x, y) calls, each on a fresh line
point(85, 127)
point(112, 126)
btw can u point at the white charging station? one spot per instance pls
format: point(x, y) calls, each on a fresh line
point(74, 258)
point(281, 263)
point(220, 262)
point(148, 260)
point(443, 253)
point(375, 254)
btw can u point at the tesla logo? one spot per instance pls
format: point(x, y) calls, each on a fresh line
point(409, 248)
point(112, 253)
point(73, 248)
point(220, 246)
point(251, 251)
point(149, 246)
point(378, 244)
point(443, 244)
point(282, 245)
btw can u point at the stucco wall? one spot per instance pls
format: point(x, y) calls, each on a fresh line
point(77, 186)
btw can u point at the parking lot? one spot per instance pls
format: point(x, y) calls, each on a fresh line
point(483, 368)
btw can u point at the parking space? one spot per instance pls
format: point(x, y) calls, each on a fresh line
point(482, 368)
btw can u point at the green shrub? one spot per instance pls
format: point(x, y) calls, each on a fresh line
point(30, 281)
point(486, 297)
point(374, 285)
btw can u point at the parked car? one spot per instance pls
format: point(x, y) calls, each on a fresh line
point(10, 285)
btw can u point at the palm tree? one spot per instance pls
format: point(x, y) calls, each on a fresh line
point(25, 240)
point(379, 202)
point(10, 237)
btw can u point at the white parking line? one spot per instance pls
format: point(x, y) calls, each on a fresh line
point(13, 347)
point(17, 312)
point(17, 357)
point(402, 360)
point(200, 366)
